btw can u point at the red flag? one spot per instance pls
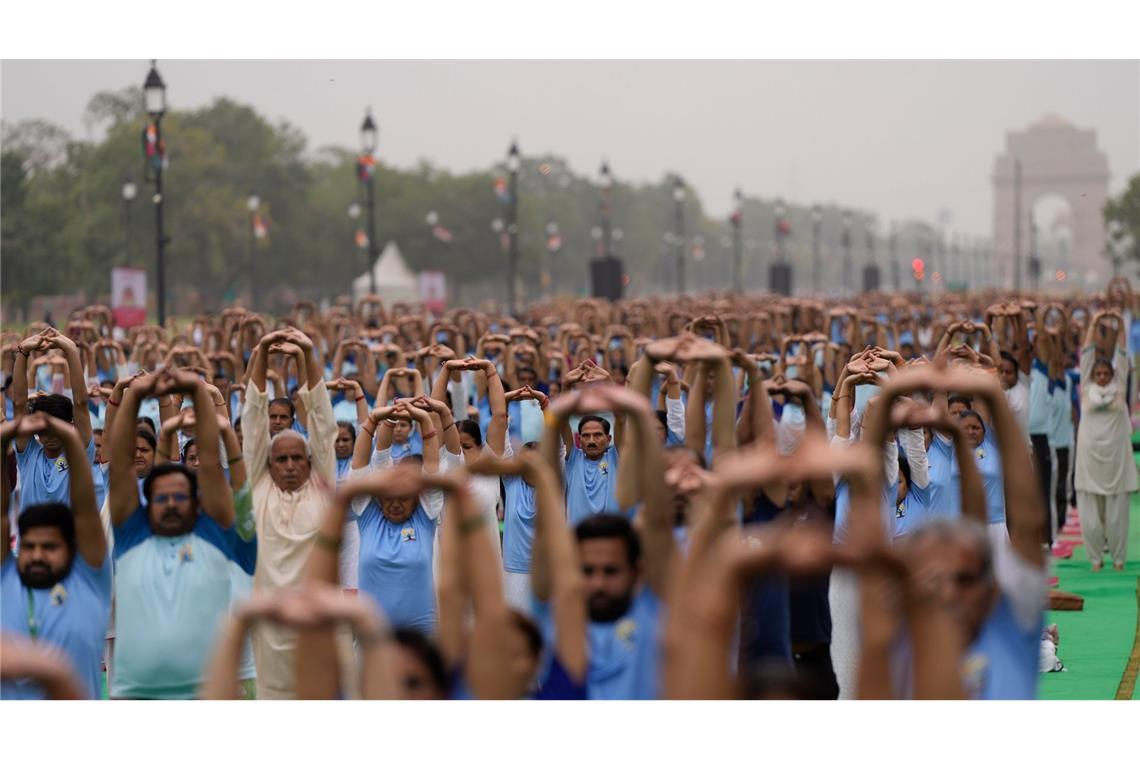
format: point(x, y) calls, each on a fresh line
point(441, 233)
point(501, 191)
point(554, 243)
point(260, 227)
point(361, 239)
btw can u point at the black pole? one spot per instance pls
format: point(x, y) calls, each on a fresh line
point(737, 251)
point(894, 246)
point(816, 224)
point(372, 253)
point(1017, 227)
point(679, 236)
point(252, 265)
point(160, 238)
point(848, 287)
point(513, 237)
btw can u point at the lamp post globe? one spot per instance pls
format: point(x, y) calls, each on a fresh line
point(432, 218)
point(154, 93)
point(130, 190)
point(369, 134)
point(253, 203)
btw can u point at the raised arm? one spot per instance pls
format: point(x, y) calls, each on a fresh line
point(497, 428)
point(215, 495)
point(122, 487)
point(78, 384)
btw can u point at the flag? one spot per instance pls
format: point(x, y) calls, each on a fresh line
point(441, 233)
point(365, 168)
point(554, 243)
point(501, 192)
point(361, 239)
point(737, 216)
point(260, 227)
point(153, 148)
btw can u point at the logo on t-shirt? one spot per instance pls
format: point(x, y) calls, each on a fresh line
point(58, 595)
point(626, 631)
point(186, 553)
point(974, 671)
point(604, 467)
point(408, 534)
point(61, 464)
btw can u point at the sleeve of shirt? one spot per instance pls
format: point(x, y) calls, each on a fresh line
point(1024, 584)
point(914, 445)
point(245, 523)
point(359, 503)
point(134, 530)
point(891, 459)
point(381, 459)
point(431, 499)
point(675, 416)
point(322, 430)
point(255, 433)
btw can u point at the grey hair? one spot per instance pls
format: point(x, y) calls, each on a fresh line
point(290, 433)
point(967, 530)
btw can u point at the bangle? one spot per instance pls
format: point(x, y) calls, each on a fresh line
point(113, 402)
point(366, 429)
point(323, 541)
point(543, 404)
point(234, 460)
point(470, 524)
point(837, 398)
point(427, 436)
point(390, 423)
point(449, 426)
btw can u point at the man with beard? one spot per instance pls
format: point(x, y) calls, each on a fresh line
point(623, 589)
point(58, 591)
point(173, 549)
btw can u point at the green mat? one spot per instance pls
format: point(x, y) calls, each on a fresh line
point(1097, 642)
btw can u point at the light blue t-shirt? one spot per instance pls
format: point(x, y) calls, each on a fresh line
point(396, 566)
point(913, 511)
point(1002, 663)
point(843, 508)
point(44, 480)
point(988, 461)
point(591, 486)
point(72, 615)
point(1038, 399)
point(518, 524)
point(171, 595)
point(943, 502)
point(625, 655)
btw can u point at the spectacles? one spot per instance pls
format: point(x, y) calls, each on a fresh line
point(177, 498)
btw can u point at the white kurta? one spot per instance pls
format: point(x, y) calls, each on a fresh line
point(287, 524)
point(1104, 461)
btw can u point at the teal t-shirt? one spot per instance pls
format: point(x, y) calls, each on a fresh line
point(171, 593)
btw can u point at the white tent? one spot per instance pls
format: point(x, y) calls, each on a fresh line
point(394, 280)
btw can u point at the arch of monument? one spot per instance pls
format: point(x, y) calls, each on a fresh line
point(1055, 157)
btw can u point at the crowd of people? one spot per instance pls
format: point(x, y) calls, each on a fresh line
point(727, 496)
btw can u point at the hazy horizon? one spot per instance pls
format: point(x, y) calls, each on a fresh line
point(902, 139)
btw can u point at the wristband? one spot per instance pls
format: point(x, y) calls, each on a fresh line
point(323, 541)
point(471, 524)
point(449, 427)
point(234, 460)
point(370, 431)
point(113, 402)
point(427, 436)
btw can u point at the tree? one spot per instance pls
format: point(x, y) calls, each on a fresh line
point(1122, 218)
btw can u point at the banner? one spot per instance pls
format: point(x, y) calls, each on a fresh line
point(433, 291)
point(128, 296)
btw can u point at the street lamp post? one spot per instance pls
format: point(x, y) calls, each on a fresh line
point(737, 220)
point(780, 272)
point(553, 246)
point(513, 165)
point(816, 228)
point(607, 182)
point(679, 230)
point(893, 244)
point(871, 271)
point(130, 190)
point(154, 98)
point(252, 204)
point(848, 220)
point(366, 171)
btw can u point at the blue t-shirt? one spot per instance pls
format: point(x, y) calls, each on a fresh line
point(624, 655)
point(988, 461)
point(942, 501)
point(557, 684)
point(843, 508)
point(44, 480)
point(591, 486)
point(171, 595)
point(72, 616)
point(415, 445)
point(1002, 663)
point(913, 510)
point(518, 524)
point(396, 566)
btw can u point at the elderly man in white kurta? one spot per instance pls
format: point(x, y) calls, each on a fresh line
point(286, 475)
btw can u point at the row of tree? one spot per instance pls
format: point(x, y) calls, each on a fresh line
point(65, 222)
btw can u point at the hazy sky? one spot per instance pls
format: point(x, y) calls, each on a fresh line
point(899, 138)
